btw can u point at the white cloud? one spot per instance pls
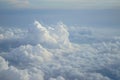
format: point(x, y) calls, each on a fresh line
point(10, 33)
point(48, 54)
point(11, 73)
point(14, 74)
point(58, 37)
point(3, 64)
point(58, 78)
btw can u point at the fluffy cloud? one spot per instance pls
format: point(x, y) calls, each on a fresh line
point(11, 73)
point(3, 64)
point(10, 33)
point(46, 53)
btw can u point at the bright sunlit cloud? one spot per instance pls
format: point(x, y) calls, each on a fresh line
point(42, 53)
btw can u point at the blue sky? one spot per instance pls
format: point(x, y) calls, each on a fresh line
point(59, 4)
point(80, 12)
point(35, 45)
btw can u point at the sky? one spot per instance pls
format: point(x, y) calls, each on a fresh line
point(81, 12)
point(59, 39)
point(59, 4)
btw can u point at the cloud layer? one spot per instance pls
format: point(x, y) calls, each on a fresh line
point(61, 4)
point(57, 53)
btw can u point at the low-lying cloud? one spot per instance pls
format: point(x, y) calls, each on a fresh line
point(51, 53)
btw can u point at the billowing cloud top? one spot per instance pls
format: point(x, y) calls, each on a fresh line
point(56, 53)
point(60, 4)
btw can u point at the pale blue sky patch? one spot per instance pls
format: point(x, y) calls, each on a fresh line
point(60, 4)
point(14, 4)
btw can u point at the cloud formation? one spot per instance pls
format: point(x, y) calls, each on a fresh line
point(47, 53)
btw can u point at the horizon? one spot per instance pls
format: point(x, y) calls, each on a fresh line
point(59, 40)
point(59, 4)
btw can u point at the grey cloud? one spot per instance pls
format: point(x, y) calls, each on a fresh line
point(48, 54)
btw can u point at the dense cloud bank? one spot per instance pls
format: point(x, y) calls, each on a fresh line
point(53, 53)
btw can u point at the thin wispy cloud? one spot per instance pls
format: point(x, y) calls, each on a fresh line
point(14, 4)
point(61, 4)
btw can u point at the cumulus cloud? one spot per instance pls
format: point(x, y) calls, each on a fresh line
point(50, 53)
point(58, 37)
point(11, 73)
point(3, 64)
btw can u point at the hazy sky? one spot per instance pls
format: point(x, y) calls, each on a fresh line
point(59, 4)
